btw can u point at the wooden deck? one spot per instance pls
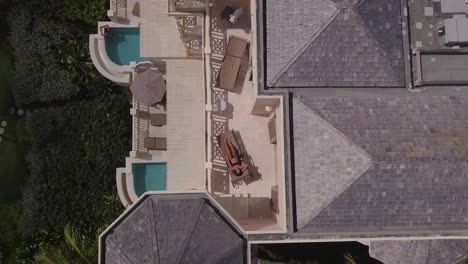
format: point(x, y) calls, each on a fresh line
point(185, 125)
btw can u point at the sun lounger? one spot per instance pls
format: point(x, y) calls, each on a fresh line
point(158, 119)
point(155, 143)
point(232, 62)
point(230, 136)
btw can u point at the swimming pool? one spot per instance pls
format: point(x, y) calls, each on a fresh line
point(149, 177)
point(124, 45)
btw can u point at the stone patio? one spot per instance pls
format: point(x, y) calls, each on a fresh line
point(249, 202)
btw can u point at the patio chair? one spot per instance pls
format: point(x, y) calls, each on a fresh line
point(230, 137)
point(230, 68)
point(155, 143)
point(158, 119)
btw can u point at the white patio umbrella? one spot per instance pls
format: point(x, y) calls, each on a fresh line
point(148, 87)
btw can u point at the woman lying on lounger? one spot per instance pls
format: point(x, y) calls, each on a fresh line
point(233, 159)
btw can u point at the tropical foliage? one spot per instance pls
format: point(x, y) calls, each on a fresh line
point(79, 248)
point(10, 214)
point(78, 132)
point(74, 152)
point(51, 52)
point(78, 11)
point(39, 74)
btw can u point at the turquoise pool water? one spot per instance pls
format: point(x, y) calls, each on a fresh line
point(124, 45)
point(149, 177)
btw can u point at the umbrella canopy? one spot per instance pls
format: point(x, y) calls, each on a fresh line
point(148, 87)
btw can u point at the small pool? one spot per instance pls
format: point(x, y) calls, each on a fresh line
point(149, 177)
point(124, 45)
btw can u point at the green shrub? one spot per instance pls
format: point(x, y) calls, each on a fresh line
point(72, 172)
point(39, 74)
point(9, 237)
point(82, 11)
point(48, 131)
point(87, 11)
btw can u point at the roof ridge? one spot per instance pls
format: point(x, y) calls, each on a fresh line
point(304, 47)
point(227, 254)
point(429, 252)
point(356, 173)
point(372, 36)
point(120, 250)
point(185, 243)
point(153, 228)
point(459, 251)
point(358, 3)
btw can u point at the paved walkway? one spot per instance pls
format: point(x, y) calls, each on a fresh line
point(159, 34)
point(185, 125)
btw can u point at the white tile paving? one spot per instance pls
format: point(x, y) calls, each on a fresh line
point(159, 34)
point(185, 125)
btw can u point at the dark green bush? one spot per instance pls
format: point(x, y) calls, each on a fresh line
point(9, 238)
point(71, 175)
point(82, 11)
point(48, 131)
point(39, 74)
point(87, 11)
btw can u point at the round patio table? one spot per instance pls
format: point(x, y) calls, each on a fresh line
point(3, 123)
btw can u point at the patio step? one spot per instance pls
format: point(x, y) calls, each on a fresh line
point(243, 207)
point(235, 205)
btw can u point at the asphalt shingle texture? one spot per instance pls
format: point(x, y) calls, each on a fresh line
point(326, 162)
point(359, 45)
point(173, 231)
point(419, 150)
point(292, 23)
point(443, 251)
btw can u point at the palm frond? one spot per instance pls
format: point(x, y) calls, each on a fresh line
point(53, 255)
point(349, 259)
point(77, 244)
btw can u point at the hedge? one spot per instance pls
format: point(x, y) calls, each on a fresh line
point(74, 152)
point(80, 11)
point(39, 74)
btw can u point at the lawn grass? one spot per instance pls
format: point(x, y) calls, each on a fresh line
point(12, 167)
point(12, 164)
point(6, 65)
point(10, 215)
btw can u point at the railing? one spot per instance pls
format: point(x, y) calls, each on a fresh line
point(191, 32)
point(140, 127)
point(119, 7)
point(194, 48)
point(216, 122)
point(190, 25)
point(207, 65)
point(186, 5)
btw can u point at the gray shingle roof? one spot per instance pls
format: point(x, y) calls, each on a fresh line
point(291, 24)
point(418, 179)
point(173, 230)
point(347, 43)
point(326, 162)
point(443, 251)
